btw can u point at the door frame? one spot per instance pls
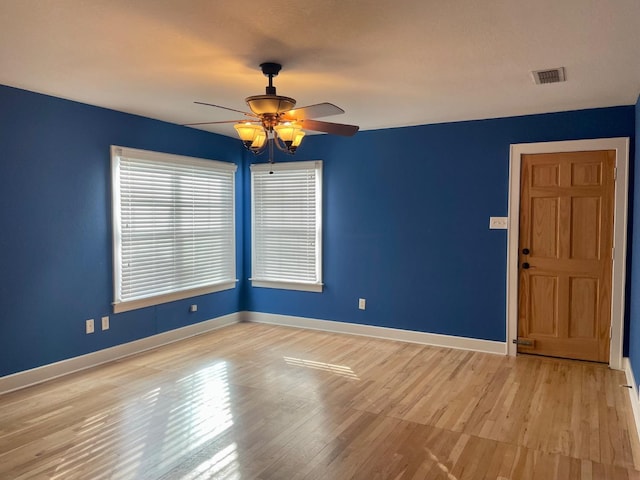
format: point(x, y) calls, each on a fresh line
point(621, 146)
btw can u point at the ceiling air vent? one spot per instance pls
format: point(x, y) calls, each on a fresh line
point(553, 75)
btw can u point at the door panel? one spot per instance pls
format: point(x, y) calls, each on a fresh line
point(583, 313)
point(585, 228)
point(566, 225)
point(543, 305)
point(545, 175)
point(544, 220)
point(586, 174)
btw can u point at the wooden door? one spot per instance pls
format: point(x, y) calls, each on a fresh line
point(565, 256)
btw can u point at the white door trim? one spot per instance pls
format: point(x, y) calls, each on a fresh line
point(621, 146)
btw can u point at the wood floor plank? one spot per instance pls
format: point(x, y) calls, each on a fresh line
point(253, 401)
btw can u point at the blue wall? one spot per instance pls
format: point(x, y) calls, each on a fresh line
point(634, 277)
point(406, 222)
point(55, 212)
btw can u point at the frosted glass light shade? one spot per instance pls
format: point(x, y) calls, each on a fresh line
point(248, 131)
point(262, 104)
point(298, 139)
point(288, 132)
point(259, 140)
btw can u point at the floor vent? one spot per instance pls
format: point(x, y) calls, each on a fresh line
point(553, 75)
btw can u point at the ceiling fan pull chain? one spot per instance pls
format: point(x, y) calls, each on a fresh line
point(271, 154)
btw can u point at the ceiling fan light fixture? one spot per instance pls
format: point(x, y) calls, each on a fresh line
point(288, 132)
point(270, 104)
point(247, 132)
point(273, 120)
point(298, 140)
point(259, 141)
point(287, 136)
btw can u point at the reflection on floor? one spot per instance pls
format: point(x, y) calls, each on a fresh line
point(255, 401)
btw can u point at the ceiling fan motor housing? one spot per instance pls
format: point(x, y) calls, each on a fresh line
point(274, 104)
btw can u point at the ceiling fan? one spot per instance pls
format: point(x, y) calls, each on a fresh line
point(274, 120)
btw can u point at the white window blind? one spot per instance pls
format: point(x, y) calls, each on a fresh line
point(174, 228)
point(286, 212)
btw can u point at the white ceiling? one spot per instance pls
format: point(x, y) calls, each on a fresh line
point(387, 63)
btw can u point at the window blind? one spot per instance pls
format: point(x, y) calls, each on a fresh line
point(286, 212)
point(174, 230)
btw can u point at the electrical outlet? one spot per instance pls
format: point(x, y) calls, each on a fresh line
point(105, 323)
point(362, 303)
point(89, 326)
point(193, 308)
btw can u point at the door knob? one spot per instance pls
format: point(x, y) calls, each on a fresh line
point(525, 251)
point(526, 265)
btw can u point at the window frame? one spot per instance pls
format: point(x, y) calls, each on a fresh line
point(289, 284)
point(120, 305)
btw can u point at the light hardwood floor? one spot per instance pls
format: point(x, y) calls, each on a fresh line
point(254, 401)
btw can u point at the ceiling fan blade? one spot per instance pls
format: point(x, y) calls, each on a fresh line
point(226, 108)
point(312, 111)
point(329, 127)
point(212, 123)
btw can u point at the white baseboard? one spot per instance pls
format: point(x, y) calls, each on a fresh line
point(633, 391)
point(448, 341)
point(54, 370)
point(64, 367)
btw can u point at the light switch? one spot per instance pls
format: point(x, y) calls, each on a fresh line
point(498, 223)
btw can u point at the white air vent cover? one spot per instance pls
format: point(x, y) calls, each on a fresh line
point(553, 75)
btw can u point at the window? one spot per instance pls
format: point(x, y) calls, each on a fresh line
point(286, 234)
point(173, 227)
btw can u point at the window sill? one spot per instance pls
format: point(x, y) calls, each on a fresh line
point(171, 297)
point(304, 287)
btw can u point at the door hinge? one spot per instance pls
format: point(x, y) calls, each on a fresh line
point(615, 173)
point(613, 253)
